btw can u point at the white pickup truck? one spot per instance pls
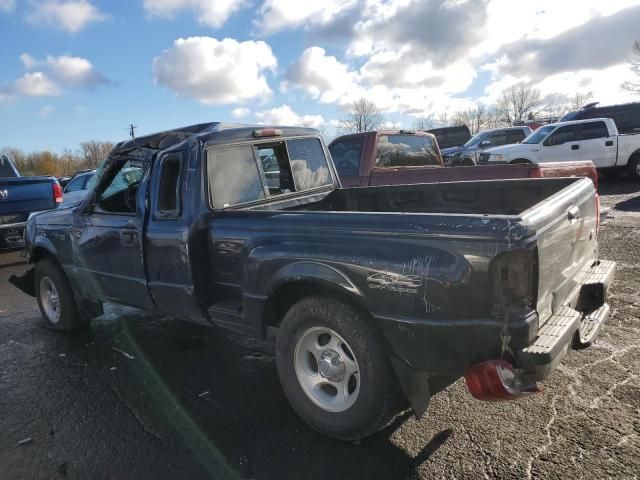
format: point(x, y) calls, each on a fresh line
point(595, 139)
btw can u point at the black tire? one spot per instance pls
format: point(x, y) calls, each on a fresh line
point(378, 397)
point(519, 161)
point(66, 316)
point(634, 167)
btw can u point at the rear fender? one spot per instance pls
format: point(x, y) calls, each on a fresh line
point(312, 271)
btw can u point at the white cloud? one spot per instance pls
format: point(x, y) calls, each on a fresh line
point(284, 115)
point(277, 15)
point(213, 13)
point(66, 70)
point(45, 111)
point(215, 72)
point(240, 112)
point(68, 15)
point(7, 5)
point(35, 84)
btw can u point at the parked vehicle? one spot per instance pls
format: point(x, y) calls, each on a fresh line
point(467, 154)
point(360, 162)
point(378, 293)
point(626, 116)
point(451, 136)
point(77, 187)
point(596, 140)
point(19, 196)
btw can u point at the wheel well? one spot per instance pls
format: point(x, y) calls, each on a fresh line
point(279, 303)
point(520, 160)
point(40, 253)
point(635, 155)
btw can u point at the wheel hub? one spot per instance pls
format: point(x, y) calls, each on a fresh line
point(331, 366)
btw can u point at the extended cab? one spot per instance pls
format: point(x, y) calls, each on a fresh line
point(19, 196)
point(378, 293)
point(594, 139)
point(400, 157)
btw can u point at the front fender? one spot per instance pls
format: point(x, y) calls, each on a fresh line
point(36, 248)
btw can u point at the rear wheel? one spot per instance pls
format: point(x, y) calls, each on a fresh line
point(334, 370)
point(634, 167)
point(55, 298)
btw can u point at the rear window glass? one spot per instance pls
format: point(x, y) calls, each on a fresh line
point(5, 167)
point(233, 176)
point(308, 163)
point(593, 130)
point(406, 151)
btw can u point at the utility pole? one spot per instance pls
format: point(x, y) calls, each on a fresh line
point(132, 129)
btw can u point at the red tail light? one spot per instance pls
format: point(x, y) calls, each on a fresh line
point(57, 192)
point(496, 380)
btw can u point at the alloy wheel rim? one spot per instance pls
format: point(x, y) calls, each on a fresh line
point(327, 369)
point(50, 300)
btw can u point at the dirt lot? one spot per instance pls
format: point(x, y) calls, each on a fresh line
point(141, 398)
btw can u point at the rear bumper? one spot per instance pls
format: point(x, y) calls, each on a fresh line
point(451, 346)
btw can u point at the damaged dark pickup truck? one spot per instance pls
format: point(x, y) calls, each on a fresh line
point(382, 295)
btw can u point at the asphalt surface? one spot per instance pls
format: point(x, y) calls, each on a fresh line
point(137, 397)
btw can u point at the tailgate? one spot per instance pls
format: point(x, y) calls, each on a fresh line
point(565, 226)
point(26, 194)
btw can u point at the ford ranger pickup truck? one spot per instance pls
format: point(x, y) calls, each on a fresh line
point(594, 139)
point(381, 295)
point(392, 157)
point(19, 196)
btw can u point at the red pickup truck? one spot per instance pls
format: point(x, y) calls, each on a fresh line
point(391, 157)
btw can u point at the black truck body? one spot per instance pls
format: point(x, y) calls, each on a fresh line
point(446, 277)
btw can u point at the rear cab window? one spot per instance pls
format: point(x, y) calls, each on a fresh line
point(346, 155)
point(593, 130)
point(252, 172)
point(406, 151)
point(6, 169)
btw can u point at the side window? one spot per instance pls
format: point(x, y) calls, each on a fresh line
point(276, 168)
point(169, 191)
point(75, 185)
point(5, 167)
point(308, 163)
point(233, 176)
point(406, 151)
point(593, 130)
point(498, 138)
point(562, 135)
point(346, 155)
point(120, 195)
point(515, 136)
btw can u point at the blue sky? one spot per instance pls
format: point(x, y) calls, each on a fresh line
point(74, 70)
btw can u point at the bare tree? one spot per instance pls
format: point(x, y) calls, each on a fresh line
point(94, 151)
point(634, 87)
point(424, 122)
point(518, 103)
point(443, 120)
point(580, 99)
point(364, 116)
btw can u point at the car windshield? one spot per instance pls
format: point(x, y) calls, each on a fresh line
point(539, 135)
point(475, 140)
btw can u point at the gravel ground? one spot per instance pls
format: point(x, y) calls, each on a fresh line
point(144, 398)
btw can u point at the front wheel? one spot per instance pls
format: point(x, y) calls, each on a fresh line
point(334, 370)
point(55, 297)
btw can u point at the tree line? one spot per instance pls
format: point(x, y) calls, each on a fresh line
point(68, 162)
point(515, 106)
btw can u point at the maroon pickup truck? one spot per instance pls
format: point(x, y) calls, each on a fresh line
point(391, 157)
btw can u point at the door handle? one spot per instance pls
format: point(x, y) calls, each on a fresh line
point(608, 143)
point(575, 147)
point(573, 213)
